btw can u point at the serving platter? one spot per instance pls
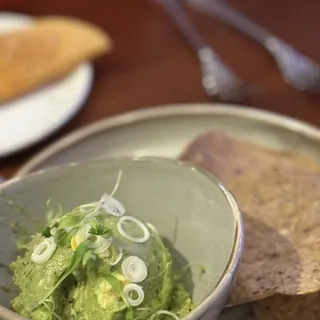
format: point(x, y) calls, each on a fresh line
point(166, 131)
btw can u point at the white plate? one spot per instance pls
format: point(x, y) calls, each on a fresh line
point(31, 118)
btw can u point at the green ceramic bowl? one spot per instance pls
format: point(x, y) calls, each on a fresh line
point(198, 218)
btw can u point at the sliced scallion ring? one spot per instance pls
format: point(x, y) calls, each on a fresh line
point(145, 230)
point(117, 260)
point(43, 251)
point(134, 269)
point(131, 289)
point(113, 206)
point(104, 246)
point(98, 242)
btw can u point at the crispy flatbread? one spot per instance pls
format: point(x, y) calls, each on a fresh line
point(278, 195)
point(281, 307)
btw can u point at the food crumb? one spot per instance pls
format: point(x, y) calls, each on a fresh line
point(202, 271)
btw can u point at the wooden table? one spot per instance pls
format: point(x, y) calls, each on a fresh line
point(152, 65)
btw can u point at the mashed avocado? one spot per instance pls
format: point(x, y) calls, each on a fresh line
point(98, 262)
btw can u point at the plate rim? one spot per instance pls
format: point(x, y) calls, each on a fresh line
point(159, 111)
point(83, 96)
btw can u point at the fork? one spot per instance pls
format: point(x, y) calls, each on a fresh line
point(217, 78)
point(297, 70)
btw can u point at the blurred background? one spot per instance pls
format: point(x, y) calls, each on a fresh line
point(151, 64)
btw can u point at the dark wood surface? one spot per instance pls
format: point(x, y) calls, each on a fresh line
point(152, 65)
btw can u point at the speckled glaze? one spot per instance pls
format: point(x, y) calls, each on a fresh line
point(197, 217)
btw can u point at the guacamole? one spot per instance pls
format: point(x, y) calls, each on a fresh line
point(98, 262)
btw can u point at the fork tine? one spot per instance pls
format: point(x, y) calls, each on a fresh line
point(216, 75)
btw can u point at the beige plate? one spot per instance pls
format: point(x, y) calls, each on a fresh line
point(166, 131)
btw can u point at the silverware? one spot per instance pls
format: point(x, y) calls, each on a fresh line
point(217, 78)
point(297, 69)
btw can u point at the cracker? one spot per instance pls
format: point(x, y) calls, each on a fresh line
point(282, 307)
point(278, 195)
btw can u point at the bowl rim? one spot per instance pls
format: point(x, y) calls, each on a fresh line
point(226, 279)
